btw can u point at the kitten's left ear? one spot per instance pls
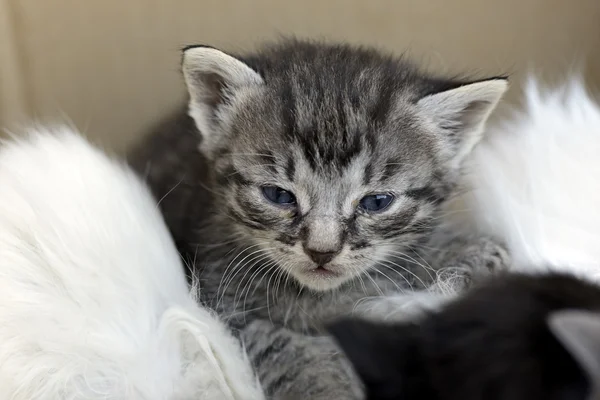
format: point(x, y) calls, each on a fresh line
point(461, 112)
point(579, 332)
point(213, 78)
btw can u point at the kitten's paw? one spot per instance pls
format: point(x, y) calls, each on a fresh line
point(466, 262)
point(401, 306)
point(487, 255)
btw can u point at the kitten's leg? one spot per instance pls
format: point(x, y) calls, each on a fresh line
point(459, 263)
point(294, 366)
point(401, 307)
point(465, 260)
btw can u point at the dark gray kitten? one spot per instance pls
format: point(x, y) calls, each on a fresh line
point(316, 180)
point(516, 338)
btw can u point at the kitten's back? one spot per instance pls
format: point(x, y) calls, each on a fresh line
point(93, 299)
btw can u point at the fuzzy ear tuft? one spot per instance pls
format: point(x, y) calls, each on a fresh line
point(213, 78)
point(462, 112)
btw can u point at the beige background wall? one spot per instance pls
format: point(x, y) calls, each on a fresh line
point(111, 66)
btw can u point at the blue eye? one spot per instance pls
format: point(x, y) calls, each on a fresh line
point(376, 202)
point(278, 195)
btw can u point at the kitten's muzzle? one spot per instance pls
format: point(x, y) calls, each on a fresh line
point(321, 257)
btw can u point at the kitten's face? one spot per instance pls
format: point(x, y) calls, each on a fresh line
point(327, 175)
point(331, 199)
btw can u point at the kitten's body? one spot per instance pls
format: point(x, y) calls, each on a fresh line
point(93, 300)
point(499, 342)
point(326, 126)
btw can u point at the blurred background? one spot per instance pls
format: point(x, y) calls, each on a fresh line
point(111, 67)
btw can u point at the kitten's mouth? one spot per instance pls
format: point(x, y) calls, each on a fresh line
point(324, 272)
point(321, 278)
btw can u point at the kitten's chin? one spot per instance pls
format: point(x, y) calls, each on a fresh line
point(321, 279)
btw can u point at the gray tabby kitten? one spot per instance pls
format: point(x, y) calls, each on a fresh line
point(319, 180)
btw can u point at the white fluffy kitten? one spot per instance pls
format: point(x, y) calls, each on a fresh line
point(536, 180)
point(93, 300)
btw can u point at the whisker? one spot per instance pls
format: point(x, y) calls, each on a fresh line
point(287, 275)
point(426, 247)
point(233, 239)
point(397, 287)
point(248, 285)
point(366, 272)
point(407, 270)
point(405, 257)
point(429, 267)
point(360, 279)
point(377, 263)
point(267, 267)
point(226, 275)
point(267, 295)
point(168, 193)
point(233, 314)
point(255, 260)
point(227, 272)
point(278, 284)
point(249, 260)
point(425, 265)
point(278, 276)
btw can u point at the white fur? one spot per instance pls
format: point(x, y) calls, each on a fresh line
point(536, 181)
point(93, 300)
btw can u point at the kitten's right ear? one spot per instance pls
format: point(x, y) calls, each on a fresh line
point(579, 332)
point(380, 353)
point(213, 79)
point(462, 112)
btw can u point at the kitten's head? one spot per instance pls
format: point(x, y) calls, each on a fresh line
point(514, 347)
point(331, 158)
